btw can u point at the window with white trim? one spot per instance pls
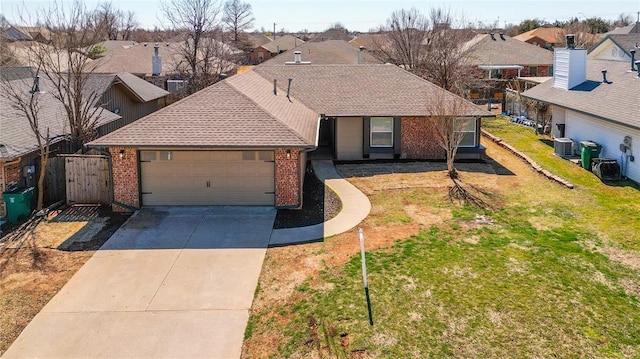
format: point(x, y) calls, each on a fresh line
point(467, 127)
point(381, 132)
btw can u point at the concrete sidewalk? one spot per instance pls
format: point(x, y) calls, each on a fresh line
point(172, 282)
point(355, 208)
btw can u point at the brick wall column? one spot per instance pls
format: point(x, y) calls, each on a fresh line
point(287, 177)
point(418, 140)
point(125, 178)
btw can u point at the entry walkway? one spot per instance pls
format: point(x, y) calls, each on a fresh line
point(355, 208)
point(172, 282)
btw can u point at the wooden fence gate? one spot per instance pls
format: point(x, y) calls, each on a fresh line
point(87, 178)
point(54, 180)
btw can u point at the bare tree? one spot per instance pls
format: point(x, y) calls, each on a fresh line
point(66, 65)
point(107, 20)
point(445, 61)
point(128, 25)
point(198, 20)
point(405, 33)
point(238, 17)
point(24, 100)
point(451, 126)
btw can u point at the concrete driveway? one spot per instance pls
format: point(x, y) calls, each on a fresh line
point(173, 282)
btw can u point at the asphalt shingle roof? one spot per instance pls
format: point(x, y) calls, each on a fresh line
point(324, 53)
point(218, 116)
point(483, 50)
point(617, 101)
point(626, 42)
point(361, 90)
point(243, 111)
point(282, 43)
point(15, 132)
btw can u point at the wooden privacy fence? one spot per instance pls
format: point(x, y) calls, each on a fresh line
point(87, 179)
point(54, 180)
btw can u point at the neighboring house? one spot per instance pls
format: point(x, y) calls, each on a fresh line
point(271, 49)
point(500, 58)
point(160, 64)
point(123, 98)
point(629, 29)
point(545, 37)
point(25, 33)
point(246, 140)
point(324, 53)
point(585, 106)
point(616, 47)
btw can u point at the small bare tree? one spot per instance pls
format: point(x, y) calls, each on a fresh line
point(238, 17)
point(66, 65)
point(405, 33)
point(24, 100)
point(198, 21)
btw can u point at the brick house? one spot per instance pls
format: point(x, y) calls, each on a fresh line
point(271, 49)
point(121, 98)
point(246, 140)
point(500, 58)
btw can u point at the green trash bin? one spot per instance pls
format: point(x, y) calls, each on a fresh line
point(588, 151)
point(18, 203)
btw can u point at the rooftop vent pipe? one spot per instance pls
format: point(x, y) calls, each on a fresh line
point(275, 87)
point(571, 41)
point(604, 77)
point(289, 88)
point(493, 36)
point(633, 59)
point(36, 85)
point(361, 55)
point(638, 67)
point(502, 36)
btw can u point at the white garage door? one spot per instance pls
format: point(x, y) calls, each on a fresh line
point(207, 177)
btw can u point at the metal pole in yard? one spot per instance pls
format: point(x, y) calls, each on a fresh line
point(364, 276)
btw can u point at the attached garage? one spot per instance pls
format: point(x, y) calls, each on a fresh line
point(207, 177)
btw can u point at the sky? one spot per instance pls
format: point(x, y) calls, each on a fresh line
point(363, 15)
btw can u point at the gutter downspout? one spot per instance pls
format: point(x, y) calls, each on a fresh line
point(307, 150)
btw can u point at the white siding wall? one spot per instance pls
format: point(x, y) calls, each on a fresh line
point(581, 127)
point(569, 68)
point(558, 116)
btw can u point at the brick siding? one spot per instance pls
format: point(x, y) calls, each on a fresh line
point(125, 178)
point(287, 181)
point(418, 140)
point(12, 175)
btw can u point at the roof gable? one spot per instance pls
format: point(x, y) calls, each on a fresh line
point(218, 116)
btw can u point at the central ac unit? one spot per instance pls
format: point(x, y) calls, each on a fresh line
point(563, 147)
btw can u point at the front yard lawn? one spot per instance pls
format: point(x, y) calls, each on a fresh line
point(546, 272)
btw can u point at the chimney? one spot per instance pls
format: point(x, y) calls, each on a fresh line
point(569, 65)
point(156, 61)
point(604, 77)
point(633, 59)
point(361, 55)
point(571, 41)
point(297, 57)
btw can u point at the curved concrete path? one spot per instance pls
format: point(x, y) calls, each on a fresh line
point(355, 208)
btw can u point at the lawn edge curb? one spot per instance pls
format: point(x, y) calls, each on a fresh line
point(533, 164)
